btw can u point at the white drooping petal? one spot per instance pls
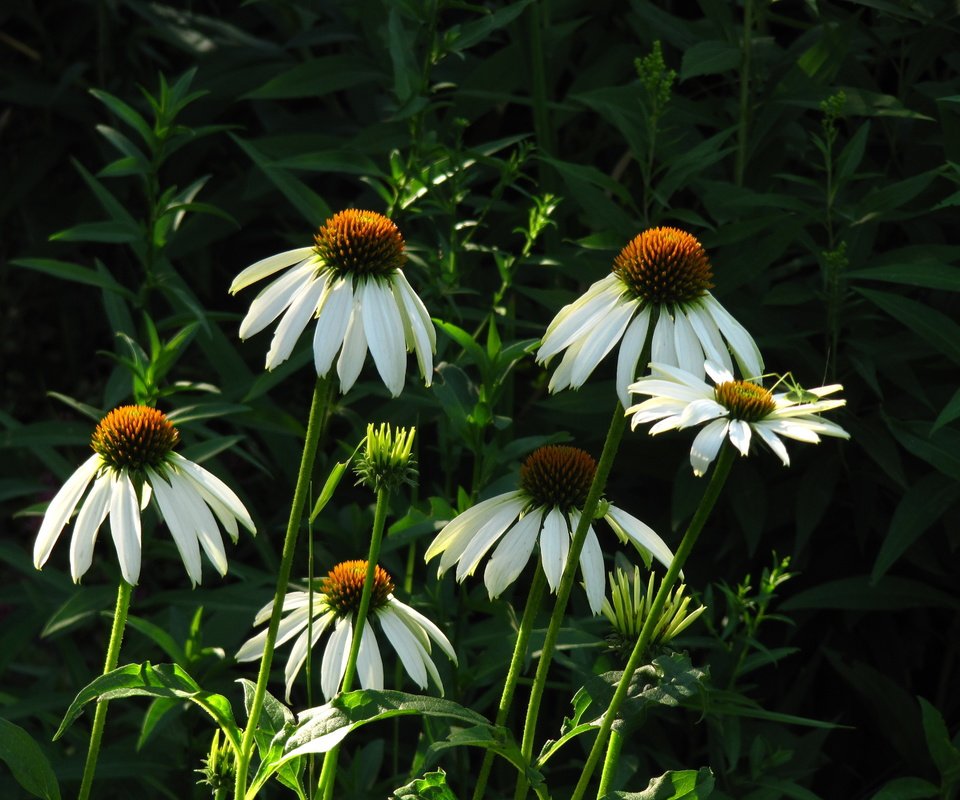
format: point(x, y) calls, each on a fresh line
point(92, 514)
point(706, 445)
point(745, 350)
point(575, 319)
point(383, 328)
point(125, 526)
point(739, 433)
point(773, 442)
point(270, 303)
point(493, 515)
point(335, 656)
point(600, 340)
point(61, 508)
point(178, 521)
point(298, 653)
point(369, 663)
point(662, 348)
point(717, 373)
point(294, 321)
point(333, 316)
point(419, 334)
point(354, 349)
point(563, 374)
point(700, 411)
point(198, 516)
point(630, 348)
point(209, 482)
point(512, 554)
point(629, 528)
point(687, 345)
point(414, 618)
point(405, 643)
point(554, 546)
point(481, 540)
point(591, 565)
point(708, 333)
point(413, 302)
point(268, 266)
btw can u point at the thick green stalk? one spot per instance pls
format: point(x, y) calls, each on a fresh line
point(315, 425)
point(110, 664)
point(610, 763)
point(707, 502)
point(328, 773)
point(615, 433)
point(534, 599)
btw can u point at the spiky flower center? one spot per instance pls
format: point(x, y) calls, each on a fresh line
point(134, 437)
point(360, 243)
point(664, 265)
point(344, 585)
point(745, 400)
point(556, 475)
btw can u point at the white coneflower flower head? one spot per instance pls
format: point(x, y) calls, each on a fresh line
point(663, 276)
point(335, 606)
point(732, 409)
point(546, 509)
point(352, 282)
point(134, 461)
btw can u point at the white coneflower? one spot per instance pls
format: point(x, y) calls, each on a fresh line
point(336, 605)
point(732, 409)
point(351, 281)
point(133, 461)
point(663, 270)
point(554, 482)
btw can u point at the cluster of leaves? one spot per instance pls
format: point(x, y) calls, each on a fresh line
point(812, 148)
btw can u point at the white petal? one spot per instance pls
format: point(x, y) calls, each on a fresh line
point(268, 266)
point(630, 349)
point(298, 653)
point(687, 346)
point(662, 349)
point(512, 554)
point(744, 349)
point(405, 643)
point(800, 429)
point(700, 411)
point(416, 332)
point(197, 515)
point(145, 493)
point(369, 663)
point(270, 303)
point(554, 546)
point(91, 517)
point(480, 541)
point(628, 527)
point(773, 441)
point(561, 377)
point(333, 315)
point(414, 618)
point(599, 341)
point(61, 508)
point(739, 432)
point(354, 349)
point(708, 333)
point(718, 374)
point(412, 301)
point(335, 656)
point(294, 321)
point(456, 535)
point(706, 445)
point(384, 331)
point(125, 526)
point(211, 483)
point(580, 316)
point(184, 534)
point(291, 601)
point(591, 565)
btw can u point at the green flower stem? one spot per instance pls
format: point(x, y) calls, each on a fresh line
point(534, 599)
point(316, 422)
point(615, 433)
point(110, 664)
point(744, 113)
point(610, 763)
point(707, 502)
point(328, 773)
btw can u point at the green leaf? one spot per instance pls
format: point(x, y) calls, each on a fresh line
point(27, 762)
point(934, 327)
point(929, 274)
point(951, 411)
point(861, 592)
point(474, 32)
point(685, 784)
point(709, 58)
point(942, 751)
point(851, 156)
point(940, 448)
point(127, 114)
point(72, 272)
point(157, 635)
point(432, 786)
point(145, 680)
point(331, 483)
point(922, 505)
point(110, 231)
point(907, 789)
point(466, 341)
point(317, 77)
point(158, 709)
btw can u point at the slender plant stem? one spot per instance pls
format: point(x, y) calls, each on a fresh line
point(610, 763)
point(707, 502)
point(110, 664)
point(328, 773)
point(316, 422)
point(744, 121)
point(614, 434)
point(538, 20)
point(309, 662)
point(534, 599)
